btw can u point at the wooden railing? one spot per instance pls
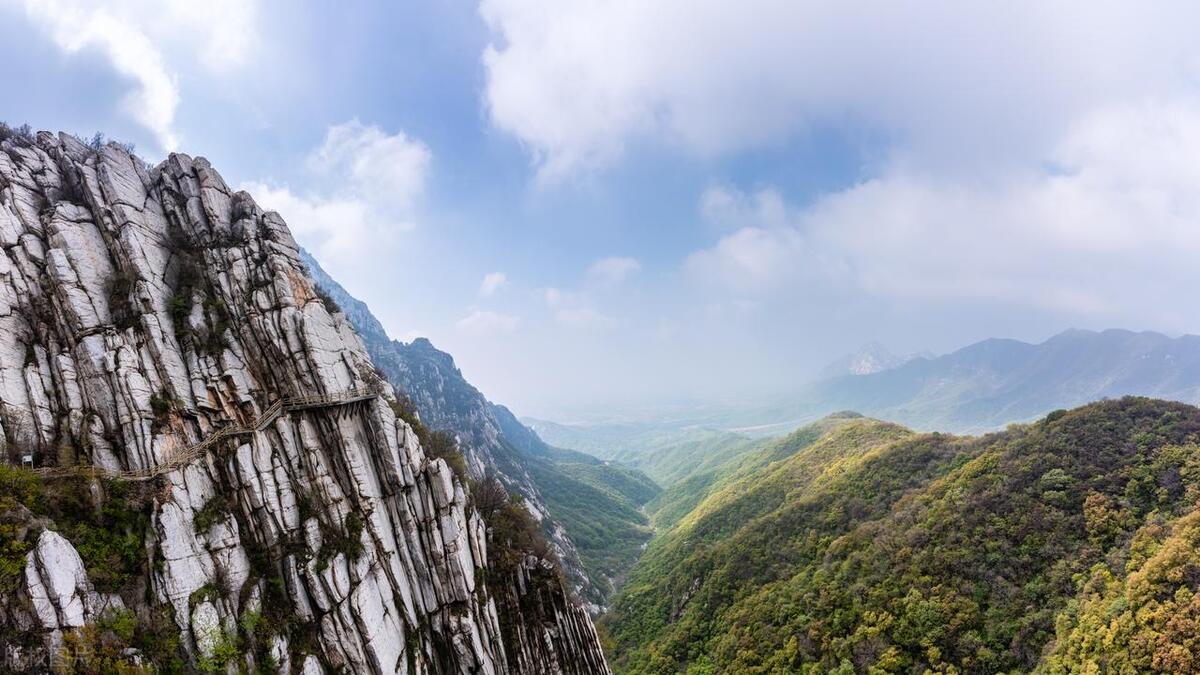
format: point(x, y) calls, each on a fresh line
point(184, 456)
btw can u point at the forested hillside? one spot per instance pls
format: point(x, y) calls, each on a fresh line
point(724, 466)
point(666, 453)
point(1065, 545)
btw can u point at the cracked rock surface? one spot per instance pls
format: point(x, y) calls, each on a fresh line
point(144, 308)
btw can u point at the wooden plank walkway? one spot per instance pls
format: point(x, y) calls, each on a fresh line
point(186, 455)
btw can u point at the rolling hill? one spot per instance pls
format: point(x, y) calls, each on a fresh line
point(1065, 545)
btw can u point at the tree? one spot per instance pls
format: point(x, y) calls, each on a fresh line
point(489, 496)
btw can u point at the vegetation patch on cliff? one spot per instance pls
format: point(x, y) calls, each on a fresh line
point(104, 520)
point(20, 494)
point(436, 444)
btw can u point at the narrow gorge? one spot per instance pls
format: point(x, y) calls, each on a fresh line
point(144, 310)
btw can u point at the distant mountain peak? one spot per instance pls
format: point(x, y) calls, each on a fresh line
point(871, 358)
point(1108, 334)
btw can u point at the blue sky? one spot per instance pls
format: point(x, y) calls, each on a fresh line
point(600, 202)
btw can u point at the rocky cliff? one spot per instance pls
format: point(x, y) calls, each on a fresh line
point(571, 494)
point(224, 478)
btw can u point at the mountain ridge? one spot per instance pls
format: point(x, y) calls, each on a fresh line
point(554, 482)
point(872, 357)
point(977, 388)
point(995, 382)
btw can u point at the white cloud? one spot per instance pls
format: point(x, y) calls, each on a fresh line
point(149, 42)
point(337, 228)
point(492, 282)
point(486, 322)
point(131, 53)
point(1109, 231)
point(763, 249)
point(228, 28)
point(387, 169)
point(581, 308)
point(373, 184)
point(948, 84)
point(1105, 233)
point(608, 272)
point(729, 207)
point(752, 258)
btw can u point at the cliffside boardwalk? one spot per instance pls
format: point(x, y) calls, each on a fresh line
point(184, 456)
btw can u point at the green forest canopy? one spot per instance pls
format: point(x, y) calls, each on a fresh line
point(874, 549)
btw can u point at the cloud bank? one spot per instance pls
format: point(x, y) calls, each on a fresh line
point(578, 82)
point(1021, 154)
point(1107, 229)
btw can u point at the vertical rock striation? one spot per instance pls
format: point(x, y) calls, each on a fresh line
point(141, 311)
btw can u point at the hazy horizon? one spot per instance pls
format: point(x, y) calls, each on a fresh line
point(591, 204)
point(635, 410)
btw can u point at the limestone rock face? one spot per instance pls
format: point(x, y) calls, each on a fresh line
point(58, 589)
point(555, 634)
point(142, 309)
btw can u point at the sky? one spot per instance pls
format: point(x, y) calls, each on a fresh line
point(603, 203)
